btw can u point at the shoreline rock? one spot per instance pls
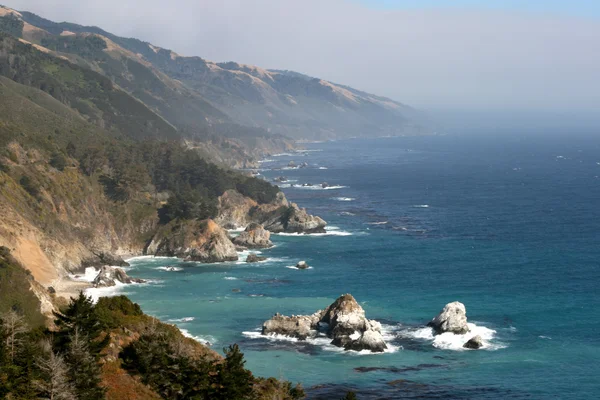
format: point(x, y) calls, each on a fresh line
point(453, 318)
point(254, 258)
point(254, 237)
point(344, 322)
point(108, 276)
point(474, 343)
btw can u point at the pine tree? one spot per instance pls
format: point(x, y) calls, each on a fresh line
point(53, 383)
point(80, 315)
point(83, 369)
point(231, 380)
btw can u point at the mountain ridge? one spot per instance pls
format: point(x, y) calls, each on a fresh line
point(280, 102)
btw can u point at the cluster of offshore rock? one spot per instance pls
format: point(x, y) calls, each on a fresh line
point(453, 319)
point(344, 322)
point(109, 276)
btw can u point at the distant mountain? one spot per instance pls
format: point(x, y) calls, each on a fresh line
point(198, 96)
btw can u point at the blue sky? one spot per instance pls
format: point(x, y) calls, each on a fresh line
point(588, 8)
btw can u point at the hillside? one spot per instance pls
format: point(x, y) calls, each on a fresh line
point(194, 93)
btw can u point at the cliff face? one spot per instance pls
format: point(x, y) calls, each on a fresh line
point(63, 220)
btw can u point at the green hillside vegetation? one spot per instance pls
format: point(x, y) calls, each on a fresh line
point(15, 293)
point(95, 351)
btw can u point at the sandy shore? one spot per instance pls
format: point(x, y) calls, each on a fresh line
point(67, 287)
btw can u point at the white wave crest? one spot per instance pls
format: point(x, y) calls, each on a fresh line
point(343, 198)
point(89, 275)
point(230, 278)
point(170, 269)
point(298, 269)
point(377, 223)
point(319, 187)
point(421, 206)
point(318, 340)
point(204, 339)
point(328, 233)
point(451, 341)
point(323, 168)
point(184, 319)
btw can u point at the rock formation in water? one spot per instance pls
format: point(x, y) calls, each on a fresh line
point(254, 237)
point(109, 276)
point(302, 265)
point(200, 241)
point(253, 258)
point(474, 343)
point(294, 220)
point(344, 322)
point(453, 318)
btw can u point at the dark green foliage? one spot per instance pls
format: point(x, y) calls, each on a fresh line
point(231, 380)
point(350, 396)
point(83, 369)
point(15, 293)
point(30, 185)
point(176, 376)
point(187, 205)
point(80, 318)
point(172, 375)
point(111, 311)
point(58, 161)
point(11, 25)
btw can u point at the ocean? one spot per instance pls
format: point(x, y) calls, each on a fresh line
point(509, 225)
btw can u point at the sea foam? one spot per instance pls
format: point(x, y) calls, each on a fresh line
point(451, 341)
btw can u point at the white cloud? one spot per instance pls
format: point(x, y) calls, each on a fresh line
point(431, 58)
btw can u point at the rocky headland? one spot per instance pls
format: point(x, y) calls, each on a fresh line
point(279, 216)
point(343, 321)
point(199, 241)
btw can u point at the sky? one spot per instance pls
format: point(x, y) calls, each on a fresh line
point(538, 55)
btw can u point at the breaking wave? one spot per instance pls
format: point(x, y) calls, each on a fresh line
point(451, 341)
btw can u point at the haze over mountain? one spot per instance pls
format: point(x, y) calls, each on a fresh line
point(193, 94)
point(494, 56)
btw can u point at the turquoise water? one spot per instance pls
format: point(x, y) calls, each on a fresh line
point(510, 226)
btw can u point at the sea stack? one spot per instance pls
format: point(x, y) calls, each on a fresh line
point(453, 318)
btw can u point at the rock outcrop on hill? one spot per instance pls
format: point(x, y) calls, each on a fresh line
point(453, 318)
point(343, 321)
point(200, 241)
point(254, 237)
